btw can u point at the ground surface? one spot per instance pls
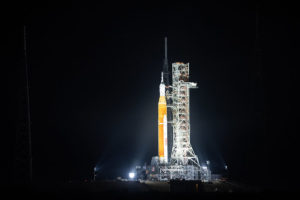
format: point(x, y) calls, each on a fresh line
point(140, 190)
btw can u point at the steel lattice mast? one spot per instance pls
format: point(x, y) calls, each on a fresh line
point(182, 151)
point(184, 163)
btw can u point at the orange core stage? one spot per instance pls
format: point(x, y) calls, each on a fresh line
point(162, 120)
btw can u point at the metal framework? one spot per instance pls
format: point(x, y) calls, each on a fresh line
point(184, 163)
point(182, 151)
point(181, 172)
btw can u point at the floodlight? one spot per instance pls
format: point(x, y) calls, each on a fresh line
point(131, 175)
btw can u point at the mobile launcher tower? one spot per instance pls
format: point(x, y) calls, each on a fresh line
point(174, 109)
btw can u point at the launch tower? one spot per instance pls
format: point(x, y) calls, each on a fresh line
point(184, 163)
point(182, 151)
point(174, 119)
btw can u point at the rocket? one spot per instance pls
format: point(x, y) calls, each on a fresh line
point(162, 123)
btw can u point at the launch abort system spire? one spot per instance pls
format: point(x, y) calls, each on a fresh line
point(166, 51)
point(165, 66)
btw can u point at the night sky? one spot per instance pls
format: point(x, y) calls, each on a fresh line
point(94, 86)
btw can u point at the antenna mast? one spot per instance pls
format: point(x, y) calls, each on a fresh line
point(165, 66)
point(28, 107)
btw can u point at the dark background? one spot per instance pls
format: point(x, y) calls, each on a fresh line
point(94, 80)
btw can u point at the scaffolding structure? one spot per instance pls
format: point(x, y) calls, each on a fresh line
point(180, 172)
point(184, 163)
point(182, 151)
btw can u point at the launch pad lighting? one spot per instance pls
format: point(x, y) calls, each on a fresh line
point(131, 175)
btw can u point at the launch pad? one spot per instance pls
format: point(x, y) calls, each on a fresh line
point(174, 116)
